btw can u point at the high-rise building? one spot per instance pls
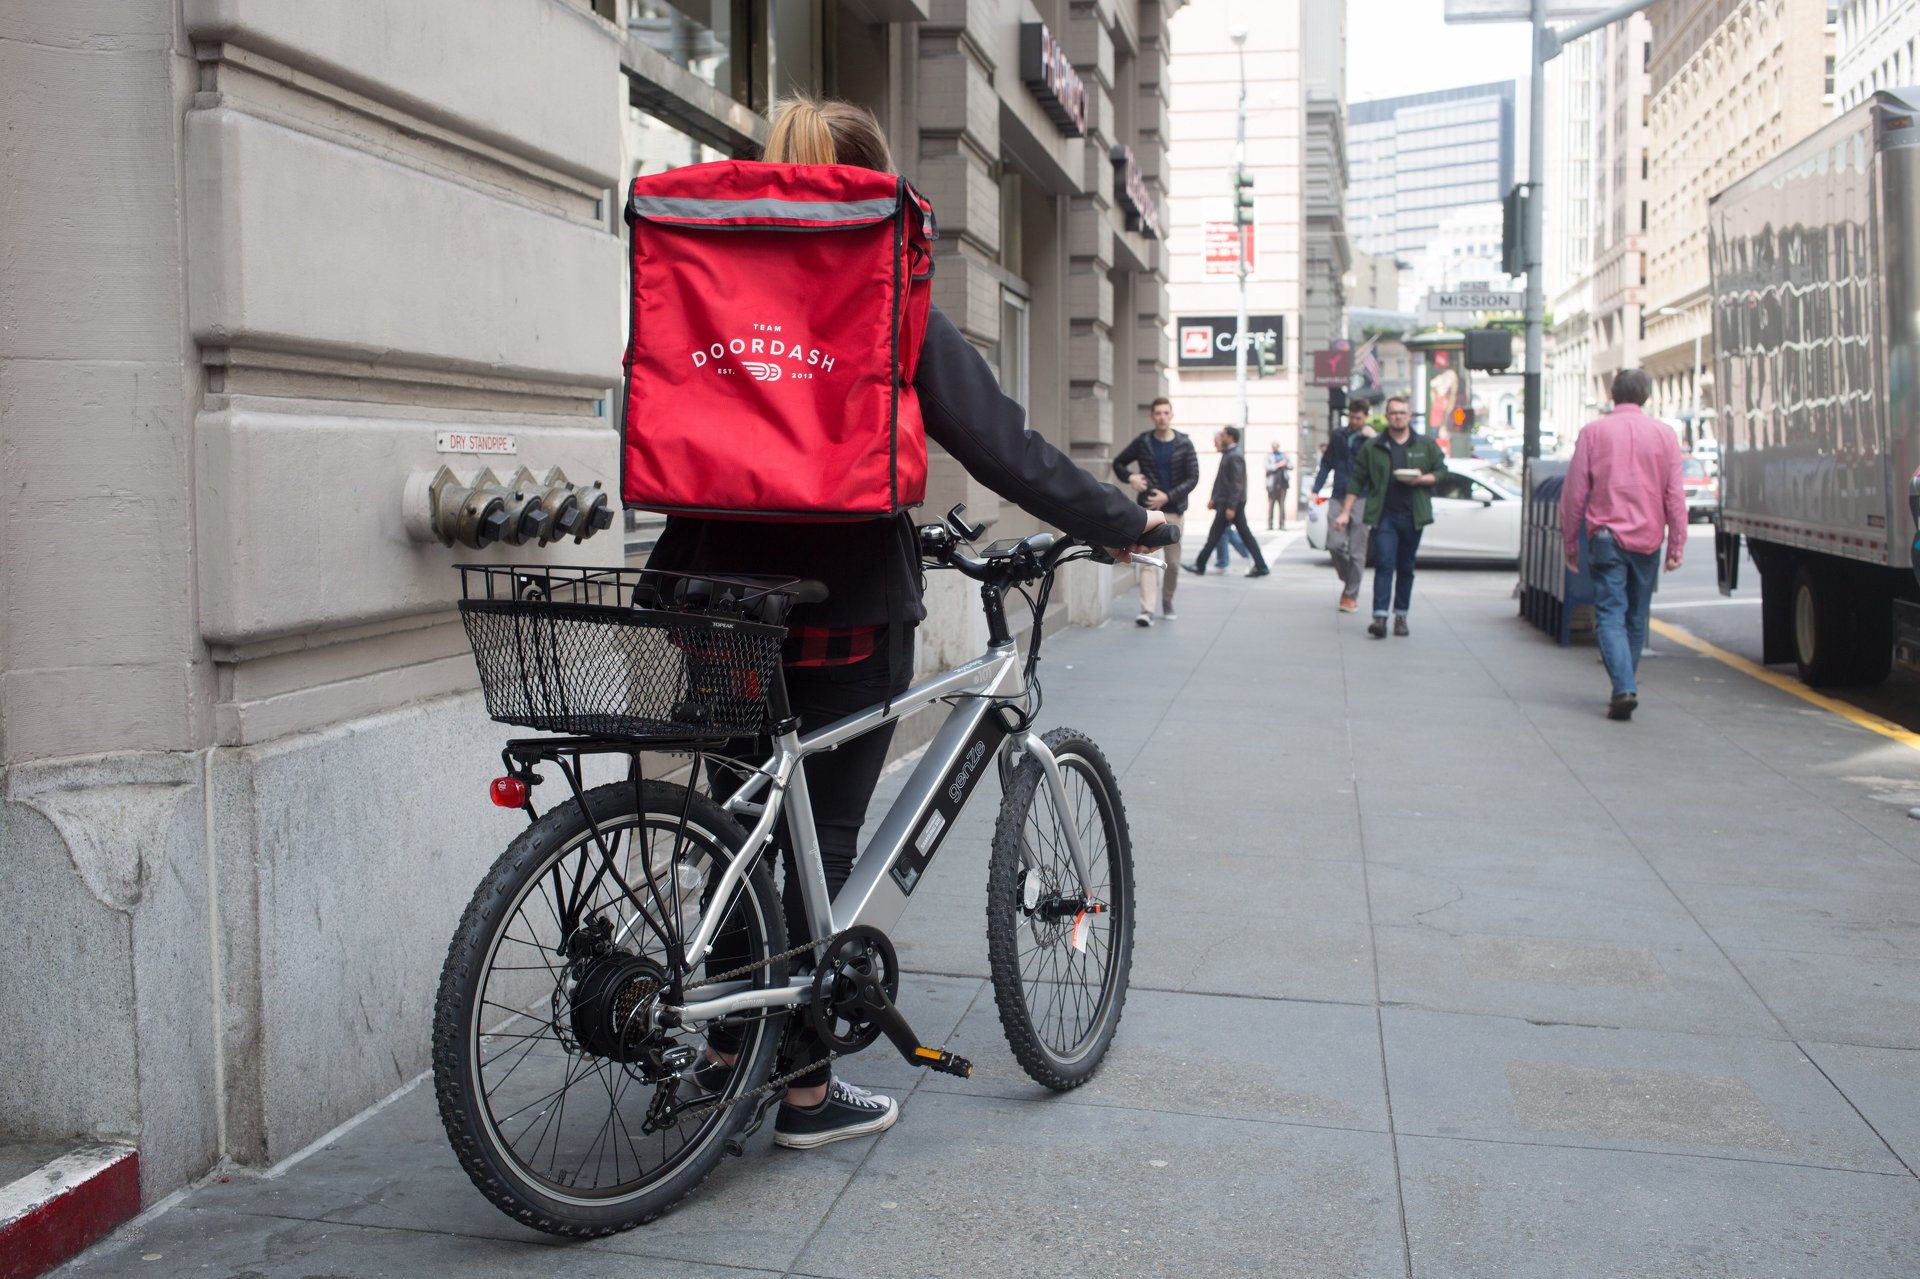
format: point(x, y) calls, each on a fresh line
point(1568, 397)
point(1622, 159)
point(1411, 159)
point(1328, 252)
point(1207, 69)
point(1876, 44)
point(1732, 82)
point(267, 262)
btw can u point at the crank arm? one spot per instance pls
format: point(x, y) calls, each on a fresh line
point(872, 998)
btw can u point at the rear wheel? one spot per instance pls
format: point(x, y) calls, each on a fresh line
point(1820, 646)
point(570, 1109)
point(1060, 957)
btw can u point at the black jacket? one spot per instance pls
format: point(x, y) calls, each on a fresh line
point(872, 567)
point(1185, 467)
point(1230, 484)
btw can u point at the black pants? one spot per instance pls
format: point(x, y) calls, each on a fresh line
point(840, 784)
point(1219, 530)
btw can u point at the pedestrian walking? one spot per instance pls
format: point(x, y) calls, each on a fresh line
point(1161, 467)
point(1229, 504)
point(1279, 484)
point(1623, 488)
point(1230, 542)
point(1397, 471)
point(1346, 545)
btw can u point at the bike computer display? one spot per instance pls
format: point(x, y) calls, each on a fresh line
point(1004, 546)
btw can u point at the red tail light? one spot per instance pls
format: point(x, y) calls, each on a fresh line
point(508, 792)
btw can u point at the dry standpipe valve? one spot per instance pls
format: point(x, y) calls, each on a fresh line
point(479, 509)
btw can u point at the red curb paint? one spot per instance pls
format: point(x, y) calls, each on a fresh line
point(43, 1229)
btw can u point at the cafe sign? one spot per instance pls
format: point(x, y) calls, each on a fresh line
point(1130, 189)
point(1044, 67)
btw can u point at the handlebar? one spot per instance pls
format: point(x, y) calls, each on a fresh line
point(1029, 559)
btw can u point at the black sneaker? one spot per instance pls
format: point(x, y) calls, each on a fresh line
point(845, 1112)
point(1258, 572)
point(1622, 706)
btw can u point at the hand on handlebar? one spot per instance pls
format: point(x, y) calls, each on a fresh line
point(1156, 534)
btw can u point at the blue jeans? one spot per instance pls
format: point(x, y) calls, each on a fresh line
point(1395, 542)
point(1232, 539)
point(1623, 583)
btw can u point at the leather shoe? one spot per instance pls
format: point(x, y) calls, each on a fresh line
point(1198, 570)
point(1377, 628)
point(1400, 626)
point(1349, 604)
point(1258, 572)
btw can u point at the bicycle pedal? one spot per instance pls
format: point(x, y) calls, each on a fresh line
point(944, 1062)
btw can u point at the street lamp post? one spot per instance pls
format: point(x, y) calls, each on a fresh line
point(1547, 44)
point(1242, 221)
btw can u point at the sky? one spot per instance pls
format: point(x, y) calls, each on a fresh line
point(1396, 47)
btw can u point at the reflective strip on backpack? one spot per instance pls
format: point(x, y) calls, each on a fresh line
point(683, 208)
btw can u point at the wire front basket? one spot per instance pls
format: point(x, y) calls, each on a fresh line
point(625, 653)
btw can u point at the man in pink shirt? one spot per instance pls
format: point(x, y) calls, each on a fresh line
point(1623, 488)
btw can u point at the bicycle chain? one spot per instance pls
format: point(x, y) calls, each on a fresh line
point(704, 1109)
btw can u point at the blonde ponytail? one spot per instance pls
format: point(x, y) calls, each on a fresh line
point(809, 130)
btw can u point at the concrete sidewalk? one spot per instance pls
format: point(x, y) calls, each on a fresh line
point(1438, 973)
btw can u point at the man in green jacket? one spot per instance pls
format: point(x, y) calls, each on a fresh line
point(1397, 470)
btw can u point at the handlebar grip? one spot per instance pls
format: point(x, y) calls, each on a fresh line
point(1160, 535)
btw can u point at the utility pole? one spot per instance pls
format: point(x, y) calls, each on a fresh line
point(1242, 222)
point(1547, 44)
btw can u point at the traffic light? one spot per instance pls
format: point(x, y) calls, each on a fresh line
point(1262, 353)
point(1513, 229)
point(1463, 419)
point(1242, 196)
point(1490, 350)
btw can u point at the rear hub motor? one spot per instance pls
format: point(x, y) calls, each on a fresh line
point(613, 1006)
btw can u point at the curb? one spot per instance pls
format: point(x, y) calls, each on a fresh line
point(55, 1211)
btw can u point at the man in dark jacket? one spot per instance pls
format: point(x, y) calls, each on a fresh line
point(1229, 504)
point(1161, 468)
point(1347, 547)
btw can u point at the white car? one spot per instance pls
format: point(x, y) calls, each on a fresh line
point(1476, 515)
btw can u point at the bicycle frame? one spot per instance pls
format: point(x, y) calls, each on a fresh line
point(893, 861)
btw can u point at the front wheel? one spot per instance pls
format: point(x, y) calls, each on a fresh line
point(1060, 951)
point(568, 1105)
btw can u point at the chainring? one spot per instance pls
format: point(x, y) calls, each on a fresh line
point(838, 1019)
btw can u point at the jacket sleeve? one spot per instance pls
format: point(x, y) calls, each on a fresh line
point(987, 433)
point(1186, 470)
point(1326, 468)
point(1234, 467)
point(1131, 453)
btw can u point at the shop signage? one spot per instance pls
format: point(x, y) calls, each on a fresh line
point(1044, 67)
point(1333, 366)
point(1130, 189)
point(1223, 247)
point(1206, 341)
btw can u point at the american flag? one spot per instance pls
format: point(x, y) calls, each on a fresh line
point(1366, 362)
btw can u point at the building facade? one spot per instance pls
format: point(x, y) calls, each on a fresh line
point(1414, 158)
point(1328, 254)
point(1207, 70)
point(330, 250)
point(1732, 82)
point(1875, 44)
point(1567, 396)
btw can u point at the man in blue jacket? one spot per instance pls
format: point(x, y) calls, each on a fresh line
point(1347, 546)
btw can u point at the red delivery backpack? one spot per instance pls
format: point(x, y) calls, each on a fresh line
point(778, 314)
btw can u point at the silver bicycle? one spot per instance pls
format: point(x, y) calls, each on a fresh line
point(637, 917)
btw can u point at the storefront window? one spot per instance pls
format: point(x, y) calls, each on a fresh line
point(1013, 346)
point(710, 38)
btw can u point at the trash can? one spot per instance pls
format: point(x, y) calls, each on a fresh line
point(1558, 602)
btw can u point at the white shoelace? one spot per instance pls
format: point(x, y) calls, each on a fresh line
point(855, 1095)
